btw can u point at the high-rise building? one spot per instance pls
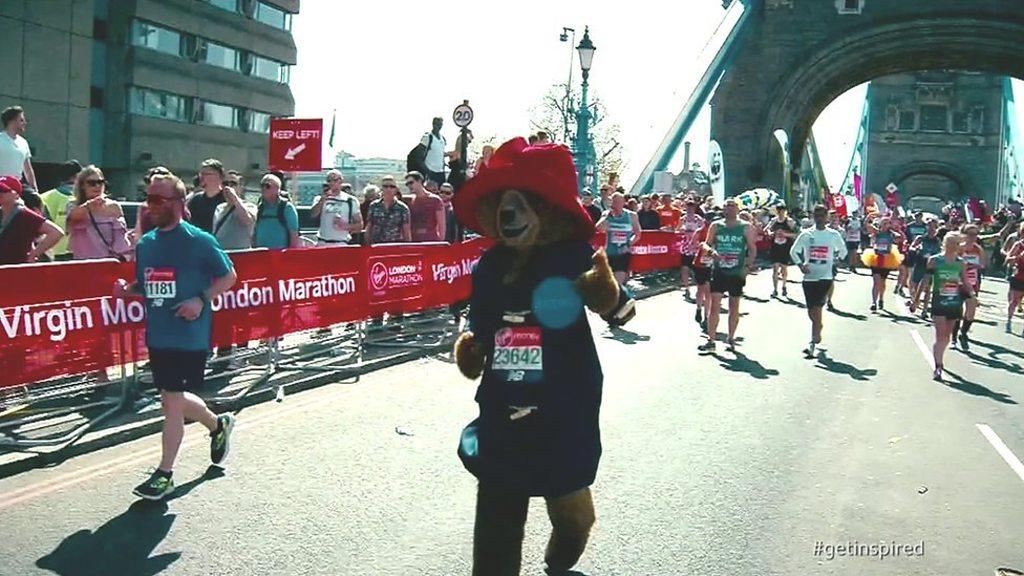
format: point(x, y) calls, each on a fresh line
point(132, 84)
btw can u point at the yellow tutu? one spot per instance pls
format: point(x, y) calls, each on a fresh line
point(890, 261)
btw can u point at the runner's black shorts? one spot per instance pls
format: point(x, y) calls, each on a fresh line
point(702, 275)
point(731, 284)
point(177, 370)
point(1016, 285)
point(884, 273)
point(852, 247)
point(687, 260)
point(779, 254)
point(619, 262)
point(948, 312)
point(816, 292)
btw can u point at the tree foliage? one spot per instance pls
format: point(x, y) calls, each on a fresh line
point(555, 114)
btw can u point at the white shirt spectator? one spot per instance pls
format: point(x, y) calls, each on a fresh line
point(13, 154)
point(338, 212)
point(436, 146)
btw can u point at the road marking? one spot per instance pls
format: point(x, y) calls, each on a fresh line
point(74, 477)
point(923, 348)
point(997, 443)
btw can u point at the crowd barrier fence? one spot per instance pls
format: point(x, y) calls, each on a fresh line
point(63, 330)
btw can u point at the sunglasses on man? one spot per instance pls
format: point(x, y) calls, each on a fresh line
point(96, 182)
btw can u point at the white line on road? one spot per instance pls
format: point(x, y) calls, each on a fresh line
point(997, 443)
point(923, 348)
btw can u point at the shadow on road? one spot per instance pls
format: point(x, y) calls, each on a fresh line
point(125, 543)
point(997, 350)
point(848, 315)
point(959, 383)
point(837, 367)
point(625, 336)
point(901, 319)
point(743, 363)
point(790, 302)
point(992, 362)
point(761, 300)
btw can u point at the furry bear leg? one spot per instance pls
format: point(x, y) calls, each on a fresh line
point(469, 355)
point(498, 532)
point(571, 516)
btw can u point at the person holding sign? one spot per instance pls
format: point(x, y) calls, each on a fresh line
point(731, 243)
point(179, 270)
point(947, 274)
point(816, 251)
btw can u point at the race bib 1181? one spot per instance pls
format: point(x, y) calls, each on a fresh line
point(161, 283)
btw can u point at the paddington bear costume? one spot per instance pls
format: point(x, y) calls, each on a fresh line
point(528, 336)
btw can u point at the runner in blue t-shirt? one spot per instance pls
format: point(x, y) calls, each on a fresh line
point(178, 270)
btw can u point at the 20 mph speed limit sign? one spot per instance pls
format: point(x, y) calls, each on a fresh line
point(463, 114)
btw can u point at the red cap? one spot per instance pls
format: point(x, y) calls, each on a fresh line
point(11, 184)
point(545, 170)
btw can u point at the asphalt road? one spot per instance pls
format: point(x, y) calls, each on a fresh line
point(713, 465)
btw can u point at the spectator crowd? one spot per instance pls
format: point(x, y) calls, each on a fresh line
point(79, 220)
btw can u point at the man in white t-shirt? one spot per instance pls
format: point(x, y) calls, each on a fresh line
point(435, 145)
point(815, 251)
point(338, 211)
point(15, 155)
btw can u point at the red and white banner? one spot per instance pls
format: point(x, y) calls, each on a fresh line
point(60, 319)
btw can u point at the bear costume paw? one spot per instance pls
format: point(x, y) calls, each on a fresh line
point(598, 287)
point(469, 356)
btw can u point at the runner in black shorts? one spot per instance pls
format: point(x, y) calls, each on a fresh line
point(816, 252)
point(732, 246)
point(782, 230)
point(178, 270)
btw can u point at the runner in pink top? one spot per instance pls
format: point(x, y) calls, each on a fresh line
point(689, 224)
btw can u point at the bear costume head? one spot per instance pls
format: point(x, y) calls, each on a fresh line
point(524, 197)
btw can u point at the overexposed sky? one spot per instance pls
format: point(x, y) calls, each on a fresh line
point(389, 66)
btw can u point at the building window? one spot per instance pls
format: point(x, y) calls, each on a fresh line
point(272, 16)
point(220, 55)
point(961, 122)
point(220, 115)
point(156, 38)
point(259, 122)
point(269, 69)
point(229, 5)
point(907, 118)
point(95, 97)
point(145, 102)
point(934, 118)
point(99, 29)
point(850, 6)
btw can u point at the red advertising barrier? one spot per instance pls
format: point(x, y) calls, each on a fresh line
point(61, 319)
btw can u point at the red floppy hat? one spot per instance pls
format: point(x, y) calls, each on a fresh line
point(545, 170)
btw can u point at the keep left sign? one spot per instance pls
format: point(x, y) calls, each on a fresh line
point(296, 144)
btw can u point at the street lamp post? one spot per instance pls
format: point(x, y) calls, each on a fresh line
point(583, 145)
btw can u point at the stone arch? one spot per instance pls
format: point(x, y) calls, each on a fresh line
point(965, 41)
point(943, 169)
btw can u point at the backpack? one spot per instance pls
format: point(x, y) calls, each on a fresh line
point(417, 157)
point(281, 202)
